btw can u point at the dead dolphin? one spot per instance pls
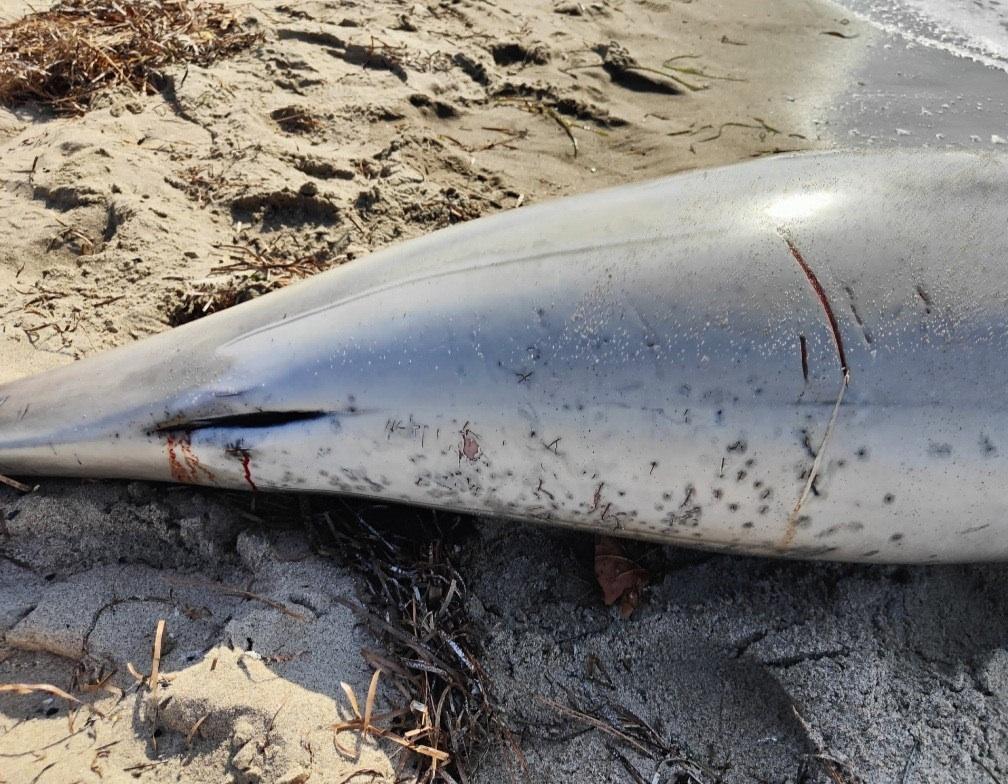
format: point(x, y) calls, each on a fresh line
point(802, 355)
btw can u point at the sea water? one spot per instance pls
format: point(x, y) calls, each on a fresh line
point(977, 29)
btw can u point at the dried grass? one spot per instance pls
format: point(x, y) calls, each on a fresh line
point(156, 656)
point(61, 58)
point(35, 688)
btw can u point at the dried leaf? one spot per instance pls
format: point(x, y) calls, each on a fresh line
point(620, 578)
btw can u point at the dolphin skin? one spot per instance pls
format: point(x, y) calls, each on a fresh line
point(802, 355)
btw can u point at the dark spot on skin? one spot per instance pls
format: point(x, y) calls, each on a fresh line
point(888, 498)
point(748, 524)
point(764, 509)
point(803, 521)
point(718, 493)
point(766, 493)
point(807, 443)
point(862, 453)
point(925, 298)
point(740, 476)
point(739, 446)
point(733, 507)
point(987, 446)
point(895, 537)
point(869, 554)
point(939, 449)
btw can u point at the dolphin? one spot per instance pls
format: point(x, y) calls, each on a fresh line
point(802, 355)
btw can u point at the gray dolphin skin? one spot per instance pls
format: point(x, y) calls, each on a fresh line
point(803, 355)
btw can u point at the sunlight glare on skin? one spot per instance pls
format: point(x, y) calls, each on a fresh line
point(798, 206)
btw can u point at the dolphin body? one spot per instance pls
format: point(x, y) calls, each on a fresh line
point(802, 355)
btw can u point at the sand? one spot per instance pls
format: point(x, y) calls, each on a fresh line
point(752, 670)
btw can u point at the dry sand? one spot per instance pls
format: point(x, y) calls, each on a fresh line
point(351, 126)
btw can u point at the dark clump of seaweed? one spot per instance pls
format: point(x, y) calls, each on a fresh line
point(252, 269)
point(415, 602)
point(61, 58)
point(206, 297)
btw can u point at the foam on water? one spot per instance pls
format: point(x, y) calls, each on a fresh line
point(977, 29)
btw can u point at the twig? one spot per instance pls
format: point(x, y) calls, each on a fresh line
point(20, 487)
point(565, 125)
point(596, 723)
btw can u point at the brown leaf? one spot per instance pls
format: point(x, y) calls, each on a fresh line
point(620, 578)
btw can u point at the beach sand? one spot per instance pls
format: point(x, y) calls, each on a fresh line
point(352, 126)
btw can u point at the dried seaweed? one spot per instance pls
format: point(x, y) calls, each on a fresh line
point(63, 57)
point(417, 606)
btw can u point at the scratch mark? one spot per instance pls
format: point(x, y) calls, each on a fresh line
point(820, 293)
point(192, 462)
point(523, 377)
point(237, 450)
point(178, 471)
point(544, 491)
point(247, 470)
point(803, 345)
point(792, 521)
point(925, 298)
point(857, 316)
point(690, 492)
